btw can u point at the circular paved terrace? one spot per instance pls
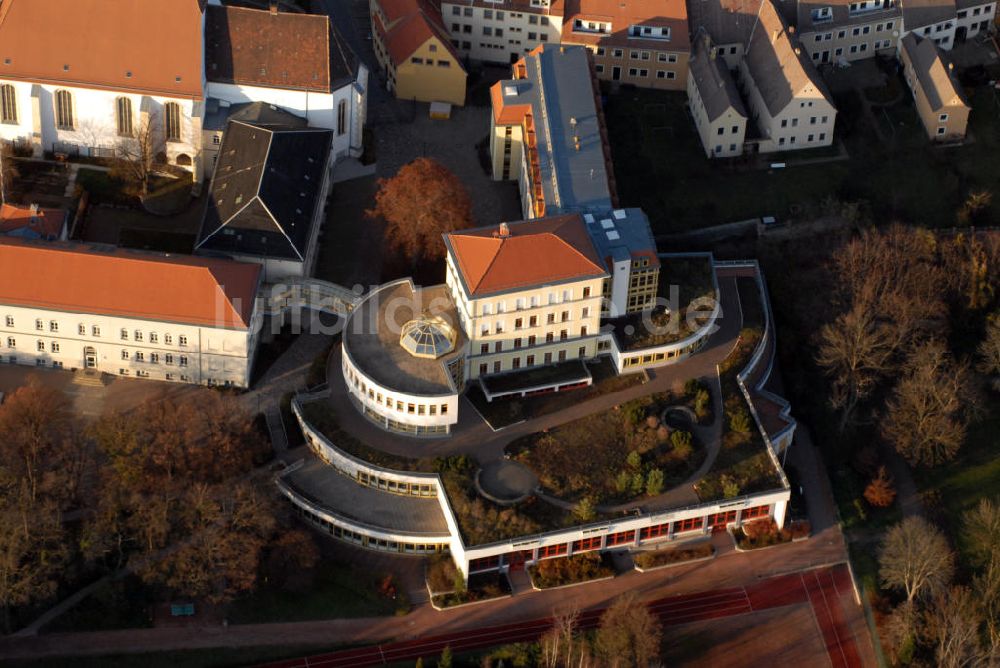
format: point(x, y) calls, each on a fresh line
point(506, 481)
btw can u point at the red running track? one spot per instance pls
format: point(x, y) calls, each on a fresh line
point(823, 588)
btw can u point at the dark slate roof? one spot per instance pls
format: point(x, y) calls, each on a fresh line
point(256, 113)
point(265, 190)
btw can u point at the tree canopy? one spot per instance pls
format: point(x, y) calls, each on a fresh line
point(420, 203)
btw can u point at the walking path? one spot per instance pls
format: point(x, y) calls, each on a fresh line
point(828, 591)
point(732, 569)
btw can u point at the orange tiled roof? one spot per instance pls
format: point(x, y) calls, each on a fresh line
point(536, 252)
point(510, 114)
point(622, 14)
point(409, 24)
point(46, 222)
point(150, 286)
point(147, 46)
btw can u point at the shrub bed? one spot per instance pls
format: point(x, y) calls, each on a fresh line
point(652, 559)
point(482, 587)
point(570, 570)
point(765, 533)
point(630, 453)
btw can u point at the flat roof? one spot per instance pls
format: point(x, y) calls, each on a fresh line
point(572, 156)
point(371, 338)
point(326, 487)
point(621, 234)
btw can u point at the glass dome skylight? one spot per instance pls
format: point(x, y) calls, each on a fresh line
point(427, 337)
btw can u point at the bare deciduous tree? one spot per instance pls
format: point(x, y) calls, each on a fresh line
point(951, 625)
point(989, 347)
point(900, 630)
point(928, 414)
point(915, 557)
point(8, 170)
point(32, 549)
point(890, 292)
point(36, 439)
point(629, 634)
point(855, 351)
point(136, 155)
point(982, 531)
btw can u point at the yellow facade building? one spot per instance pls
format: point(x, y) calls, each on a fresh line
point(937, 94)
point(528, 293)
point(415, 53)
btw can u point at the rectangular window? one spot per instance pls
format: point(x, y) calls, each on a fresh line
point(182, 340)
point(138, 335)
point(10, 321)
point(53, 326)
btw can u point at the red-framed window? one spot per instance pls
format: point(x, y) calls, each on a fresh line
point(690, 524)
point(553, 550)
point(755, 512)
point(722, 519)
point(518, 556)
point(484, 564)
point(621, 538)
point(655, 531)
point(584, 544)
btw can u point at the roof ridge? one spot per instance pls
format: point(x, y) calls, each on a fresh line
point(492, 261)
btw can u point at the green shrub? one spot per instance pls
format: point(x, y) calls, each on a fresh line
point(702, 404)
point(730, 488)
point(585, 510)
point(682, 442)
point(622, 482)
point(652, 558)
point(569, 570)
point(739, 420)
point(654, 482)
point(634, 460)
point(634, 412)
point(691, 387)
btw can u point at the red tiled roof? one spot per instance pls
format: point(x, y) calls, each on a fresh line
point(536, 252)
point(410, 23)
point(147, 46)
point(46, 222)
point(622, 14)
point(282, 50)
point(79, 279)
point(509, 114)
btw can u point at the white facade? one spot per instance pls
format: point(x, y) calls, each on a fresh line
point(321, 110)
point(400, 411)
point(125, 346)
point(807, 121)
point(975, 19)
point(94, 129)
point(498, 34)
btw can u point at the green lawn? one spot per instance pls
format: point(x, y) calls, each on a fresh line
point(660, 166)
point(974, 474)
point(338, 591)
point(222, 657)
point(102, 188)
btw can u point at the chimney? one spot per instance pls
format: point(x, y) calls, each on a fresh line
point(504, 230)
point(272, 7)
